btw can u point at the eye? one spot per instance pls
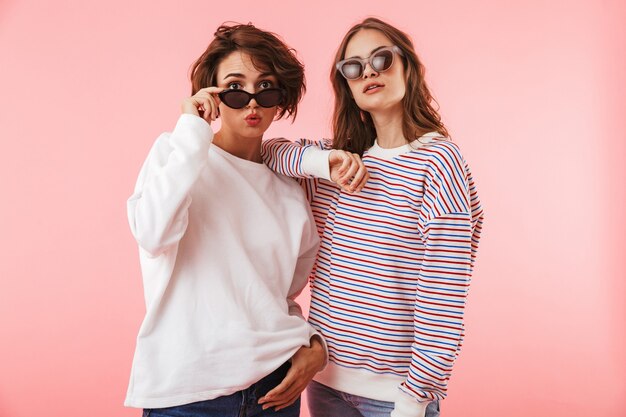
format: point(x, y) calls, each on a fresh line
point(265, 84)
point(234, 86)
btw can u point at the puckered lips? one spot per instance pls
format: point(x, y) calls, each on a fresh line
point(253, 119)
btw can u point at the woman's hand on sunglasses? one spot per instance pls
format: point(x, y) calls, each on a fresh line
point(203, 104)
point(347, 170)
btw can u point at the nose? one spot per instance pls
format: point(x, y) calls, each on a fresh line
point(368, 71)
point(252, 103)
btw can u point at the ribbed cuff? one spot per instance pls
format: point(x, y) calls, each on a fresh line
point(407, 406)
point(315, 162)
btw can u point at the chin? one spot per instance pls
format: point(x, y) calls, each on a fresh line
point(376, 104)
point(253, 132)
point(383, 102)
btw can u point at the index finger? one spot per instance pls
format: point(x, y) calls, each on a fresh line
point(344, 163)
point(213, 92)
point(360, 178)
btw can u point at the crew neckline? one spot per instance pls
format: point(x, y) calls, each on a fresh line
point(389, 153)
point(244, 163)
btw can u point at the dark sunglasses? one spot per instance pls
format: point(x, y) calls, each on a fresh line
point(238, 99)
point(380, 61)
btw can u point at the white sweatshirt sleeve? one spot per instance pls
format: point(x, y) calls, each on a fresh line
point(315, 162)
point(304, 269)
point(301, 159)
point(157, 210)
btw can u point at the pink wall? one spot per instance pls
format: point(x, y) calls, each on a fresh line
point(533, 91)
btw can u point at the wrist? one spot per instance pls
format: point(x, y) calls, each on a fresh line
point(189, 108)
point(316, 342)
point(318, 347)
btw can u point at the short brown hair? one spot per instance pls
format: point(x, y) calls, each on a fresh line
point(353, 128)
point(267, 52)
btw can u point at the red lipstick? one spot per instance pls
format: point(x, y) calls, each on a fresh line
point(253, 119)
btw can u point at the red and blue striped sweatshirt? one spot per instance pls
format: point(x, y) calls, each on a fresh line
point(389, 286)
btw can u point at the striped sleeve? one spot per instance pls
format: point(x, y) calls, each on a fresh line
point(285, 157)
point(449, 224)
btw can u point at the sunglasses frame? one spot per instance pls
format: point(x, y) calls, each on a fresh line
point(363, 61)
point(224, 93)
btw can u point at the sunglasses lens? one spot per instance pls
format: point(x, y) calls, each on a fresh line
point(352, 70)
point(235, 99)
point(269, 98)
point(381, 61)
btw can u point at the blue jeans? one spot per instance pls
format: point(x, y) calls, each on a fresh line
point(240, 404)
point(328, 402)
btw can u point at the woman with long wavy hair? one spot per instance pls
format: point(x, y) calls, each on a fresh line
point(399, 220)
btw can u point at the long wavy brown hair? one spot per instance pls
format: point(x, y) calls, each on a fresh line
point(267, 52)
point(353, 128)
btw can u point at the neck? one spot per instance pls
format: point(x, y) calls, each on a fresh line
point(388, 126)
point(241, 147)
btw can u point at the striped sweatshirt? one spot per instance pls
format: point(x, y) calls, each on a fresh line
point(390, 282)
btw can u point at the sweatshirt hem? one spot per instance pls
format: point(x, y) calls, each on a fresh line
point(162, 402)
point(355, 381)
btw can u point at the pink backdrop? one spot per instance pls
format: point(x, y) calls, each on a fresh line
point(534, 92)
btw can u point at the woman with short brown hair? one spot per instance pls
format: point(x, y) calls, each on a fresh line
point(225, 245)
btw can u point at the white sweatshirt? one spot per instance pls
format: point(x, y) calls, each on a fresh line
point(225, 246)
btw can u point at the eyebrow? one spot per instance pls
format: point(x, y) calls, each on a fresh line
point(238, 75)
point(372, 52)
